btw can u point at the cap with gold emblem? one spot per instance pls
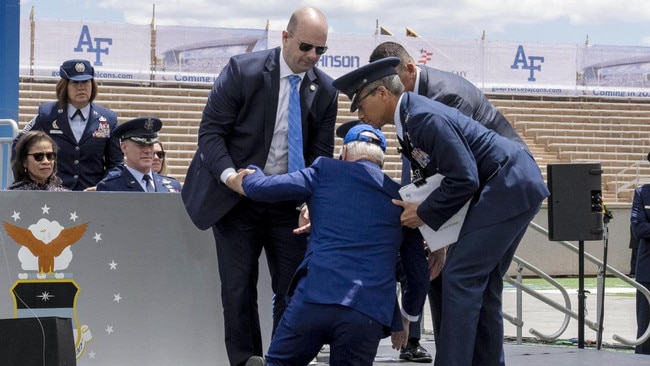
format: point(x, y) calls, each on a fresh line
point(142, 130)
point(77, 70)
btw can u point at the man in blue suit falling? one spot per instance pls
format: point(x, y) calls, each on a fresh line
point(343, 293)
point(499, 176)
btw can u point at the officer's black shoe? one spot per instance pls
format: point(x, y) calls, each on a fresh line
point(415, 353)
point(256, 361)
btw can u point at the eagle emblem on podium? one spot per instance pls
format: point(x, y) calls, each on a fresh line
point(45, 250)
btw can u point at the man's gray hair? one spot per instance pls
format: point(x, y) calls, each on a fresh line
point(357, 150)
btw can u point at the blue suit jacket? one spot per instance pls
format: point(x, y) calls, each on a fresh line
point(640, 221)
point(80, 164)
point(355, 232)
point(499, 175)
point(457, 92)
point(237, 127)
point(119, 179)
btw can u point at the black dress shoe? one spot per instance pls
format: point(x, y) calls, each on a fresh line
point(256, 361)
point(415, 353)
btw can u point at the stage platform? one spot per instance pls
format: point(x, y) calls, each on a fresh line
point(619, 319)
point(525, 355)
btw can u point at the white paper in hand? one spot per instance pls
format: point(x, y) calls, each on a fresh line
point(448, 232)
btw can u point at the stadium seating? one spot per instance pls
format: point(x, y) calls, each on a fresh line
point(558, 129)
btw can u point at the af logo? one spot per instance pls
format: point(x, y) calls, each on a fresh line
point(93, 45)
point(44, 288)
point(527, 63)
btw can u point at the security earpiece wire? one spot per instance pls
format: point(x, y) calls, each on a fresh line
point(4, 254)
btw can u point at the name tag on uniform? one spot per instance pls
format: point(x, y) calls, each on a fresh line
point(56, 132)
point(646, 207)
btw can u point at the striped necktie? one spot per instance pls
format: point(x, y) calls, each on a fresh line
point(296, 157)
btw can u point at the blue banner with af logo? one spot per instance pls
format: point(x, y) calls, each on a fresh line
point(138, 280)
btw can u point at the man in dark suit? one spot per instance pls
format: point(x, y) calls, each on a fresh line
point(246, 121)
point(81, 129)
point(447, 88)
point(500, 178)
point(343, 293)
point(457, 92)
point(137, 138)
point(640, 223)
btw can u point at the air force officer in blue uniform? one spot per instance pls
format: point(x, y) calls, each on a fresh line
point(640, 221)
point(137, 138)
point(343, 292)
point(82, 130)
point(501, 179)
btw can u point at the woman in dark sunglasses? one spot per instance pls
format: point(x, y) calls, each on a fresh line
point(34, 164)
point(159, 166)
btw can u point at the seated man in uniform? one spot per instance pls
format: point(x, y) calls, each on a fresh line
point(137, 138)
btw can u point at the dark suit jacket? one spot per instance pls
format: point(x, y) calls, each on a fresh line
point(457, 92)
point(80, 164)
point(355, 233)
point(119, 179)
point(640, 221)
point(499, 175)
point(237, 127)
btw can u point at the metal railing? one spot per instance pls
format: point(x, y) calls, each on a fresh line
point(565, 308)
point(8, 131)
point(623, 185)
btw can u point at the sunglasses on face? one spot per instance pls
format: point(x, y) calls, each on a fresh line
point(51, 156)
point(160, 154)
point(358, 102)
point(306, 47)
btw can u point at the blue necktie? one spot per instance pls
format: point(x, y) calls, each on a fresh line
point(296, 158)
point(147, 183)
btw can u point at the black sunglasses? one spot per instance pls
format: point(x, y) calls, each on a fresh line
point(306, 47)
point(160, 154)
point(51, 156)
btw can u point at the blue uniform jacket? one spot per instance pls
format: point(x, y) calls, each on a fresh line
point(120, 179)
point(237, 127)
point(355, 232)
point(80, 164)
point(640, 221)
point(499, 175)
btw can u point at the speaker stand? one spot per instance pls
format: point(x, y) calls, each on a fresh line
point(581, 294)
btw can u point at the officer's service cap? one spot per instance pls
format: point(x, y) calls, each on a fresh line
point(354, 81)
point(77, 70)
point(142, 130)
point(356, 134)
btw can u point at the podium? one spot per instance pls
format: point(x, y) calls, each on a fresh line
point(37, 342)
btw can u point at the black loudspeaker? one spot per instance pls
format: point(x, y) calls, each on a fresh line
point(575, 209)
point(37, 342)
